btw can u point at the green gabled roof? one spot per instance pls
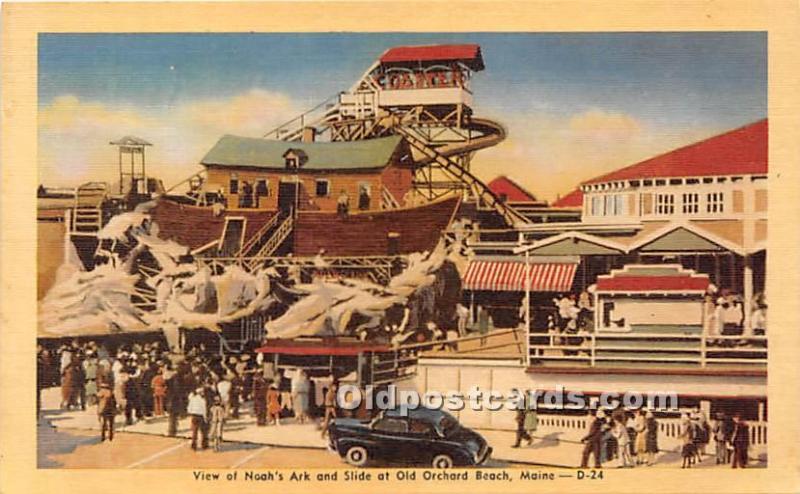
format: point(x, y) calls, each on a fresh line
point(353, 155)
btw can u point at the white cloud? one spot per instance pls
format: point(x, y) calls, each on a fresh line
point(74, 134)
point(547, 152)
point(551, 153)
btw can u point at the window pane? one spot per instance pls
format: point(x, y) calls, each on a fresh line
point(391, 425)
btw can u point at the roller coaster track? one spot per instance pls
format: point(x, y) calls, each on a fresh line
point(442, 157)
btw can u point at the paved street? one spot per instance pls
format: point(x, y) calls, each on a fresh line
point(70, 439)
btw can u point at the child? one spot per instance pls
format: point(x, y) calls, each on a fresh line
point(274, 405)
point(217, 419)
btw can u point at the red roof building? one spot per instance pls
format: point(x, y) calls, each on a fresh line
point(507, 189)
point(741, 151)
point(573, 200)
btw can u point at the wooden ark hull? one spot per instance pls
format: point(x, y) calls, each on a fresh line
point(369, 233)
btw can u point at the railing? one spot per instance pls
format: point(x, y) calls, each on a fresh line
point(380, 266)
point(388, 200)
point(668, 428)
point(275, 241)
point(401, 362)
point(698, 350)
point(289, 129)
point(191, 179)
point(393, 366)
point(455, 346)
point(255, 239)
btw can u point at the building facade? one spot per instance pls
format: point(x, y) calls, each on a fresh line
point(309, 176)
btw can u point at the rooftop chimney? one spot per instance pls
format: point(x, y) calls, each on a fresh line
point(309, 133)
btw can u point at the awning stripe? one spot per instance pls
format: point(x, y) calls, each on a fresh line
point(510, 276)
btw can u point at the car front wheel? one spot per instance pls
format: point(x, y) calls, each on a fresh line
point(442, 461)
point(357, 456)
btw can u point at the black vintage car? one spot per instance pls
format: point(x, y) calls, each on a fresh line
point(414, 436)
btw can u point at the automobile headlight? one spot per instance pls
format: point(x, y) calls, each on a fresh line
point(474, 448)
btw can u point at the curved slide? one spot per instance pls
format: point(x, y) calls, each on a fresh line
point(494, 133)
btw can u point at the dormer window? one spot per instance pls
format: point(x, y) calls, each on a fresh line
point(294, 158)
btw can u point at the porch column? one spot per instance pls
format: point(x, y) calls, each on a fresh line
point(527, 306)
point(472, 308)
point(747, 281)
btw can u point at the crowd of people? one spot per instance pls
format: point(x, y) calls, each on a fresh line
point(144, 381)
point(724, 315)
point(730, 434)
point(631, 438)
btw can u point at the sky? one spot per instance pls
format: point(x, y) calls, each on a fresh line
point(575, 104)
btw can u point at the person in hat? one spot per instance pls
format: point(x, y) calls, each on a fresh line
point(90, 374)
point(526, 419)
point(197, 411)
point(173, 400)
point(701, 432)
point(592, 440)
point(640, 428)
point(687, 433)
point(651, 439)
point(740, 440)
point(720, 441)
point(106, 411)
point(260, 399)
point(217, 419)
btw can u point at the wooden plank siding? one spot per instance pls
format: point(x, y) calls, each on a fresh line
point(361, 234)
point(395, 178)
point(195, 226)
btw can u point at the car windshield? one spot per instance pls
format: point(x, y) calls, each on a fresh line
point(448, 425)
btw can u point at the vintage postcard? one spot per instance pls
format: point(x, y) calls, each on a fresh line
point(255, 246)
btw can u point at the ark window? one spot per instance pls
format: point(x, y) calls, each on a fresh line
point(234, 184)
point(323, 188)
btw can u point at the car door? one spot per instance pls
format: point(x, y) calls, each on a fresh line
point(421, 441)
point(390, 435)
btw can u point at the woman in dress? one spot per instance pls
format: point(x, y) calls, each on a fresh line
point(274, 405)
point(640, 427)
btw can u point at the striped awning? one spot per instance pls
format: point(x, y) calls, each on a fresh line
point(510, 276)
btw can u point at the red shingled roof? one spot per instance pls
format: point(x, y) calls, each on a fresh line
point(470, 54)
point(513, 192)
point(741, 151)
point(572, 200)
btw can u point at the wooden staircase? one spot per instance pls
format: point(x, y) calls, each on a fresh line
point(275, 237)
point(254, 244)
